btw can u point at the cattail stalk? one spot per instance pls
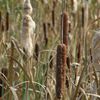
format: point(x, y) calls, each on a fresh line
point(60, 71)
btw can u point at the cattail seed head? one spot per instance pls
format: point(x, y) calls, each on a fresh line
point(60, 70)
point(82, 9)
point(2, 27)
point(27, 7)
point(36, 51)
point(53, 18)
point(7, 21)
point(78, 52)
point(0, 19)
point(45, 33)
point(28, 29)
point(91, 58)
point(65, 28)
point(54, 4)
point(68, 62)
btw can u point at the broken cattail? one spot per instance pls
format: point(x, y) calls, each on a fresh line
point(51, 61)
point(53, 18)
point(36, 51)
point(28, 7)
point(54, 4)
point(60, 71)
point(82, 16)
point(7, 21)
point(65, 28)
point(45, 34)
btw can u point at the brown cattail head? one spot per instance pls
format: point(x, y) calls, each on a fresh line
point(60, 71)
point(65, 28)
point(45, 33)
point(7, 21)
point(0, 19)
point(82, 16)
point(78, 52)
point(54, 4)
point(68, 62)
point(36, 51)
point(2, 27)
point(53, 18)
point(91, 58)
point(51, 61)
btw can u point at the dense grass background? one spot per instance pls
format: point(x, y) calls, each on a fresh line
point(83, 24)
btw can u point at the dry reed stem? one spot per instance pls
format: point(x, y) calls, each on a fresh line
point(51, 61)
point(60, 71)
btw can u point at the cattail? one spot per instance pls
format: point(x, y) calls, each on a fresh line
point(27, 34)
point(28, 7)
point(51, 61)
point(60, 71)
point(7, 21)
point(53, 18)
point(67, 82)
point(65, 28)
point(4, 71)
point(68, 62)
point(2, 27)
point(54, 4)
point(78, 52)
point(36, 51)
point(82, 11)
point(0, 19)
point(91, 58)
point(45, 34)
point(69, 30)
